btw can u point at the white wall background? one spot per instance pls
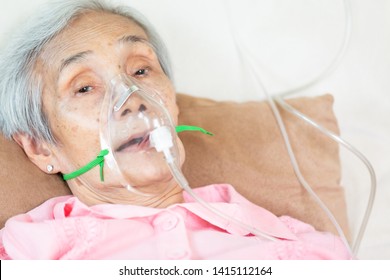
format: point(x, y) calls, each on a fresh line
point(292, 42)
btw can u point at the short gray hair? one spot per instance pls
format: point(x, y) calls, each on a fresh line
point(21, 89)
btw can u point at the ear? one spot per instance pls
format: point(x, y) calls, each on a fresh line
point(38, 151)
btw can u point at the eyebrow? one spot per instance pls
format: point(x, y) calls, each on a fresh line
point(132, 39)
point(74, 59)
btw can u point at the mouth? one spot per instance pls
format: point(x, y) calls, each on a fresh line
point(135, 143)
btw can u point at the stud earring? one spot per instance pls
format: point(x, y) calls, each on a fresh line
point(49, 168)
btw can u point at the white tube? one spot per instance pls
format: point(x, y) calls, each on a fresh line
point(362, 228)
point(178, 175)
point(161, 140)
point(248, 59)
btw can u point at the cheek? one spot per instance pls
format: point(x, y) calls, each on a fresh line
point(182, 153)
point(164, 87)
point(168, 94)
point(77, 136)
point(173, 108)
point(73, 121)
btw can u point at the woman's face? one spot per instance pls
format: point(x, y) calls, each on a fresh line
point(76, 68)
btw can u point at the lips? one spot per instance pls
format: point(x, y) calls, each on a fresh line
point(135, 143)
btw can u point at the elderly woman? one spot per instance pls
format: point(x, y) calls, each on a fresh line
point(60, 77)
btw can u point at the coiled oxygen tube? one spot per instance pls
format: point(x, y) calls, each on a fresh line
point(248, 58)
point(345, 144)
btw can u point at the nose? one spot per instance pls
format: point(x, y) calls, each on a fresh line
point(133, 109)
point(133, 105)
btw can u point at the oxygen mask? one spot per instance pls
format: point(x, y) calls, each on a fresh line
point(137, 136)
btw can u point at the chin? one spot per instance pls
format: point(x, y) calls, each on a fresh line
point(147, 173)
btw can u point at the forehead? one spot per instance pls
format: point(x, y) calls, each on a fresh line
point(91, 29)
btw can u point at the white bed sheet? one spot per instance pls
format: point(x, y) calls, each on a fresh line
point(292, 42)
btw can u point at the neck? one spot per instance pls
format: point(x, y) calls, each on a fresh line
point(171, 193)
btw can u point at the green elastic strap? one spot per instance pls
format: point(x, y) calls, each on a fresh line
point(181, 128)
point(100, 158)
point(98, 161)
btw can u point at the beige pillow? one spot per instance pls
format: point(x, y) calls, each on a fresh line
point(246, 151)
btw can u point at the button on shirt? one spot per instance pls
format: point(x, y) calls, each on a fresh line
point(65, 228)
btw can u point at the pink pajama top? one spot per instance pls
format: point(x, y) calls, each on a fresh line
point(65, 228)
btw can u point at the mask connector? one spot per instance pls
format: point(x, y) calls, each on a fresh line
point(161, 140)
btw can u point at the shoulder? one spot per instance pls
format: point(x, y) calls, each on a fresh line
point(45, 211)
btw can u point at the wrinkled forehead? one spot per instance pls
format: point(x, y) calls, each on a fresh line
point(89, 30)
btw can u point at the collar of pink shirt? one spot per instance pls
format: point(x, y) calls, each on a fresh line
point(222, 197)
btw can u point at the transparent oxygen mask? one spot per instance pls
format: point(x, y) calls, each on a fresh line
point(137, 138)
point(135, 128)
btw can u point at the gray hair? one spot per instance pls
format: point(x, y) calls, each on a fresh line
point(21, 89)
